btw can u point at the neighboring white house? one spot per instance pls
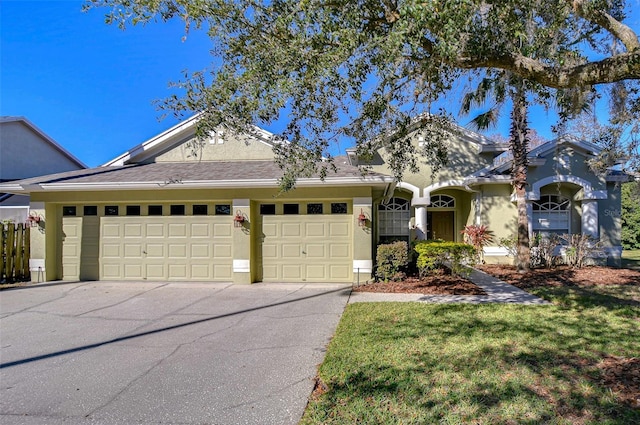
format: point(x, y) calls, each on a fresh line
point(26, 151)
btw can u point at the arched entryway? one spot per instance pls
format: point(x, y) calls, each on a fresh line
point(441, 218)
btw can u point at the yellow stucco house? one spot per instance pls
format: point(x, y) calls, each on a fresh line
point(158, 212)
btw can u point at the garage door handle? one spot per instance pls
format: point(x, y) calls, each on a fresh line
point(144, 252)
point(304, 252)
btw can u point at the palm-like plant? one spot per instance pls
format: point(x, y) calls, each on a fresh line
point(501, 87)
point(479, 236)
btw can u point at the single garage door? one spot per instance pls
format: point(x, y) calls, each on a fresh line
point(307, 248)
point(71, 247)
point(166, 248)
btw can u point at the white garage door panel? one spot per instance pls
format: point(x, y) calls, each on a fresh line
point(71, 243)
point(111, 271)
point(133, 271)
point(341, 272)
point(155, 271)
point(155, 230)
point(166, 248)
point(315, 229)
point(133, 250)
point(200, 230)
point(313, 248)
point(133, 230)
point(223, 271)
point(200, 250)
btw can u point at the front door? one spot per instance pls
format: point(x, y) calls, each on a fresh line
point(440, 225)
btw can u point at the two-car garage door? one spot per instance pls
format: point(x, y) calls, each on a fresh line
point(166, 248)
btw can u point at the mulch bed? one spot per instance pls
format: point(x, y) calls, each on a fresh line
point(442, 283)
point(563, 276)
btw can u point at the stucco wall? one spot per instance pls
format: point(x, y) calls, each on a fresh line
point(225, 148)
point(497, 211)
point(463, 156)
point(609, 216)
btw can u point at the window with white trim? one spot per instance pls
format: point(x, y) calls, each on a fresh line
point(442, 201)
point(393, 220)
point(551, 215)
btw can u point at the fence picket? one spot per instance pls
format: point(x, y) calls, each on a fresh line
point(2, 252)
point(15, 250)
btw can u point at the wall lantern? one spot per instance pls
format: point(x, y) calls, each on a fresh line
point(362, 219)
point(33, 220)
point(238, 220)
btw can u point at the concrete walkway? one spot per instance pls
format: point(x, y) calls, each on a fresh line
point(497, 292)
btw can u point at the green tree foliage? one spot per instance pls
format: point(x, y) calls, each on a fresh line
point(630, 216)
point(364, 69)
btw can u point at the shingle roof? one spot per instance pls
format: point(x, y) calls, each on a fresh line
point(204, 172)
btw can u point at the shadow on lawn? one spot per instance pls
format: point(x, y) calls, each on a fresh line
point(631, 262)
point(581, 298)
point(485, 364)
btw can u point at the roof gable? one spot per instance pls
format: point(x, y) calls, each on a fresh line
point(543, 149)
point(179, 144)
point(48, 145)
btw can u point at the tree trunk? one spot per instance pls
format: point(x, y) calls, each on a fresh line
point(520, 148)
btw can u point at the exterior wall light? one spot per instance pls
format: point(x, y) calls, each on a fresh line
point(238, 220)
point(362, 219)
point(33, 220)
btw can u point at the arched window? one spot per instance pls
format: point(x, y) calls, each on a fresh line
point(551, 215)
point(393, 220)
point(442, 201)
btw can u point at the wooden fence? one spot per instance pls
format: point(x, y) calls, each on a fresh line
point(14, 250)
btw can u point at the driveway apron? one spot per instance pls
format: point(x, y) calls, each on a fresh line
point(170, 353)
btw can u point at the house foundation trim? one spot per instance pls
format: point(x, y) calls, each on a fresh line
point(362, 266)
point(241, 266)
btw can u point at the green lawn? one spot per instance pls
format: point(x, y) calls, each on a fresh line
point(407, 363)
point(631, 259)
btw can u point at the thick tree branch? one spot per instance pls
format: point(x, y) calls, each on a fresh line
point(622, 32)
point(624, 66)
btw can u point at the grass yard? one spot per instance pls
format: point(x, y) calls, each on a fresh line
point(631, 259)
point(408, 363)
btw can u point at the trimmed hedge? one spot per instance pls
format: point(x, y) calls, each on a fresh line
point(391, 259)
point(435, 254)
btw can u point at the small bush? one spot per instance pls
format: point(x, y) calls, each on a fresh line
point(479, 236)
point(544, 250)
point(579, 248)
point(510, 244)
point(391, 260)
point(435, 254)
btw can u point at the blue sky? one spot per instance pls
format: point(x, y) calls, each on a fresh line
point(91, 87)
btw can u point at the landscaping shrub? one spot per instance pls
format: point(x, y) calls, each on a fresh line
point(391, 260)
point(544, 250)
point(579, 248)
point(510, 244)
point(479, 236)
point(435, 254)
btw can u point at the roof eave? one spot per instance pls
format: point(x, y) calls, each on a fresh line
point(46, 137)
point(213, 184)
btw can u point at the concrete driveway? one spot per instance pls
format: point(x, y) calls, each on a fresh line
point(170, 353)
